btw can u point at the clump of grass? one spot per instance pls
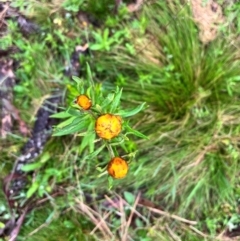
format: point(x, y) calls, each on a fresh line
point(56, 225)
point(192, 91)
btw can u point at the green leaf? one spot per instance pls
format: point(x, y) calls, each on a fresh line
point(134, 132)
point(107, 101)
point(31, 166)
point(98, 36)
point(45, 157)
point(90, 82)
point(61, 115)
point(2, 225)
point(96, 47)
point(66, 122)
point(52, 172)
point(235, 78)
point(105, 34)
point(32, 189)
point(36, 165)
point(140, 224)
point(95, 153)
point(89, 75)
point(116, 101)
point(79, 82)
point(88, 140)
point(110, 182)
point(129, 197)
point(75, 112)
point(127, 113)
point(78, 124)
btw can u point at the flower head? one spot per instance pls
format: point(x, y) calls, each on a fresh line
point(84, 102)
point(117, 168)
point(108, 126)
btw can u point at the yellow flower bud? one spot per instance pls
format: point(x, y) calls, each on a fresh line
point(117, 168)
point(84, 102)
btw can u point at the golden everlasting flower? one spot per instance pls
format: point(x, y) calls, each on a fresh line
point(84, 102)
point(117, 168)
point(108, 126)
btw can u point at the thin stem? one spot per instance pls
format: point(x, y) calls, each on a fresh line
point(110, 150)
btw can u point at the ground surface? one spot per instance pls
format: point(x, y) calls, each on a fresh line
point(179, 57)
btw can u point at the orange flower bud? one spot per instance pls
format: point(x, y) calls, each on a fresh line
point(117, 168)
point(84, 102)
point(108, 126)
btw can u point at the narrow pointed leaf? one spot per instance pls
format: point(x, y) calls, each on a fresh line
point(127, 113)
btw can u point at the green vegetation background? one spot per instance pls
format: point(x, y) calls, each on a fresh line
point(190, 164)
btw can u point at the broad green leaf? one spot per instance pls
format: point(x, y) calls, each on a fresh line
point(32, 189)
point(98, 36)
point(127, 113)
point(95, 46)
point(2, 225)
point(31, 166)
point(235, 78)
point(45, 157)
point(140, 224)
point(52, 172)
point(129, 197)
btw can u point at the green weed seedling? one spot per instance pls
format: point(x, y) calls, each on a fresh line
point(105, 40)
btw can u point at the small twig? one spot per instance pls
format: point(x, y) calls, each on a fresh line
point(16, 115)
point(123, 218)
point(110, 150)
point(201, 155)
point(3, 13)
point(124, 237)
point(129, 206)
point(172, 234)
point(97, 219)
point(173, 216)
point(100, 223)
point(40, 227)
point(133, 7)
point(15, 231)
point(43, 200)
point(220, 237)
point(198, 231)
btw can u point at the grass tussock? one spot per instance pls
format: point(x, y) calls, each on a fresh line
point(192, 117)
